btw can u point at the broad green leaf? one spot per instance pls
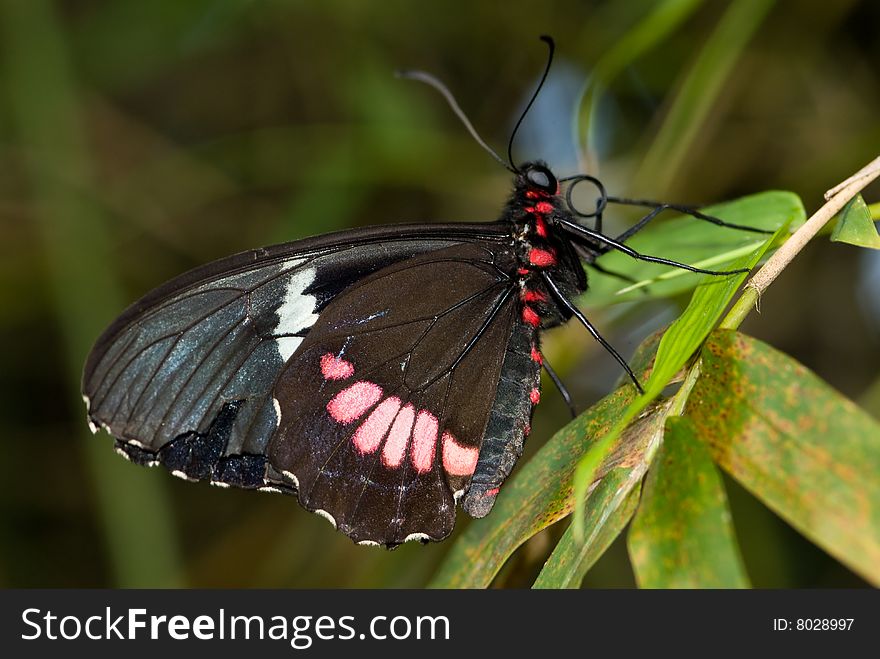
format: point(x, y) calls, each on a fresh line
point(540, 492)
point(692, 241)
point(682, 536)
point(679, 342)
point(855, 226)
point(609, 506)
point(806, 451)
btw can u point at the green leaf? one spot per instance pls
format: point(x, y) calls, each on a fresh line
point(572, 558)
point(682, 536)
point(695, 242)
point(540, 492)
point(679, 342)
point(855, 226)
point(609, 506)
point(806, 451)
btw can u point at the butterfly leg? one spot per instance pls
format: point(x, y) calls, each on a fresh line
point(659, 207)
point(574, 311)
point(566, 396)
point(583, 232)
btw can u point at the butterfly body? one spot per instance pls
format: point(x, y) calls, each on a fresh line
point(380, 375)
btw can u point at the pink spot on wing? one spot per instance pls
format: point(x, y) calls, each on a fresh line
point(335, 368)
point(458, 460)
point(424, 441)
point(535, 396)
point(494, 491)
point(398, 437)
point(370, 433)
point(350, 403)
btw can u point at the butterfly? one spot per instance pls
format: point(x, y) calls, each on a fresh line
point(383, 376)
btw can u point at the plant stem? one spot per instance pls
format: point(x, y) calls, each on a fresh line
point(837, 198)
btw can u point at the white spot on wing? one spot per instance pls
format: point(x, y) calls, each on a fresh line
point(457, 495)
point(219, 484)
point(421, 537)
point(368, 543)
point(296, 312)
point(269, 488)
point(292, 477)
point(182, 475)
point(287, 345)
point(327, 516)
point(277, 407)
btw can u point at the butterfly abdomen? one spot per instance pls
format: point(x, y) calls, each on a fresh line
point(509, 421)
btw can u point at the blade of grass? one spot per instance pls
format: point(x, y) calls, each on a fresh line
point(650, 31)
point(698, 93)
point(45, 114)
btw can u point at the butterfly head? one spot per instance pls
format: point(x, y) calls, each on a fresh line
point(536, 177)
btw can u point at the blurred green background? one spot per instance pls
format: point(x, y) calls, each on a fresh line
point(139, 139)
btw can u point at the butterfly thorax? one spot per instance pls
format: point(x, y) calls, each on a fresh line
point(531, 210)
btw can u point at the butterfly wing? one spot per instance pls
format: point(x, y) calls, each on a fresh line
point(385, 404)
point(184, 377)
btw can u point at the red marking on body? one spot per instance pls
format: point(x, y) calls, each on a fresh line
point(537, 356)
point(541, 257)
point(523, 271)
point(335, 368)
point(544, 207)
point(398, 437)
point(531, 295)
point(370, 433)
point(493, 492)
point(531, 194)
point(540, 227)
point(350, 403)
point(424, 441)
point(458, 460)
point(530, 317)
point(535, 396)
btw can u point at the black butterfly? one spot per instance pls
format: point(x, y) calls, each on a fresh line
point(381, 375)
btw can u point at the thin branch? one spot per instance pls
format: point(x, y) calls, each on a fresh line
point(837, 197)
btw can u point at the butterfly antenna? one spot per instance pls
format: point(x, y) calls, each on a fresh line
point(428, 79)
point(552, 46)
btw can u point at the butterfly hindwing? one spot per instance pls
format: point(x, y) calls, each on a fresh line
point(385, 404)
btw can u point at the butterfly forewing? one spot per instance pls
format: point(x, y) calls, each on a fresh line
point(385, 404)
